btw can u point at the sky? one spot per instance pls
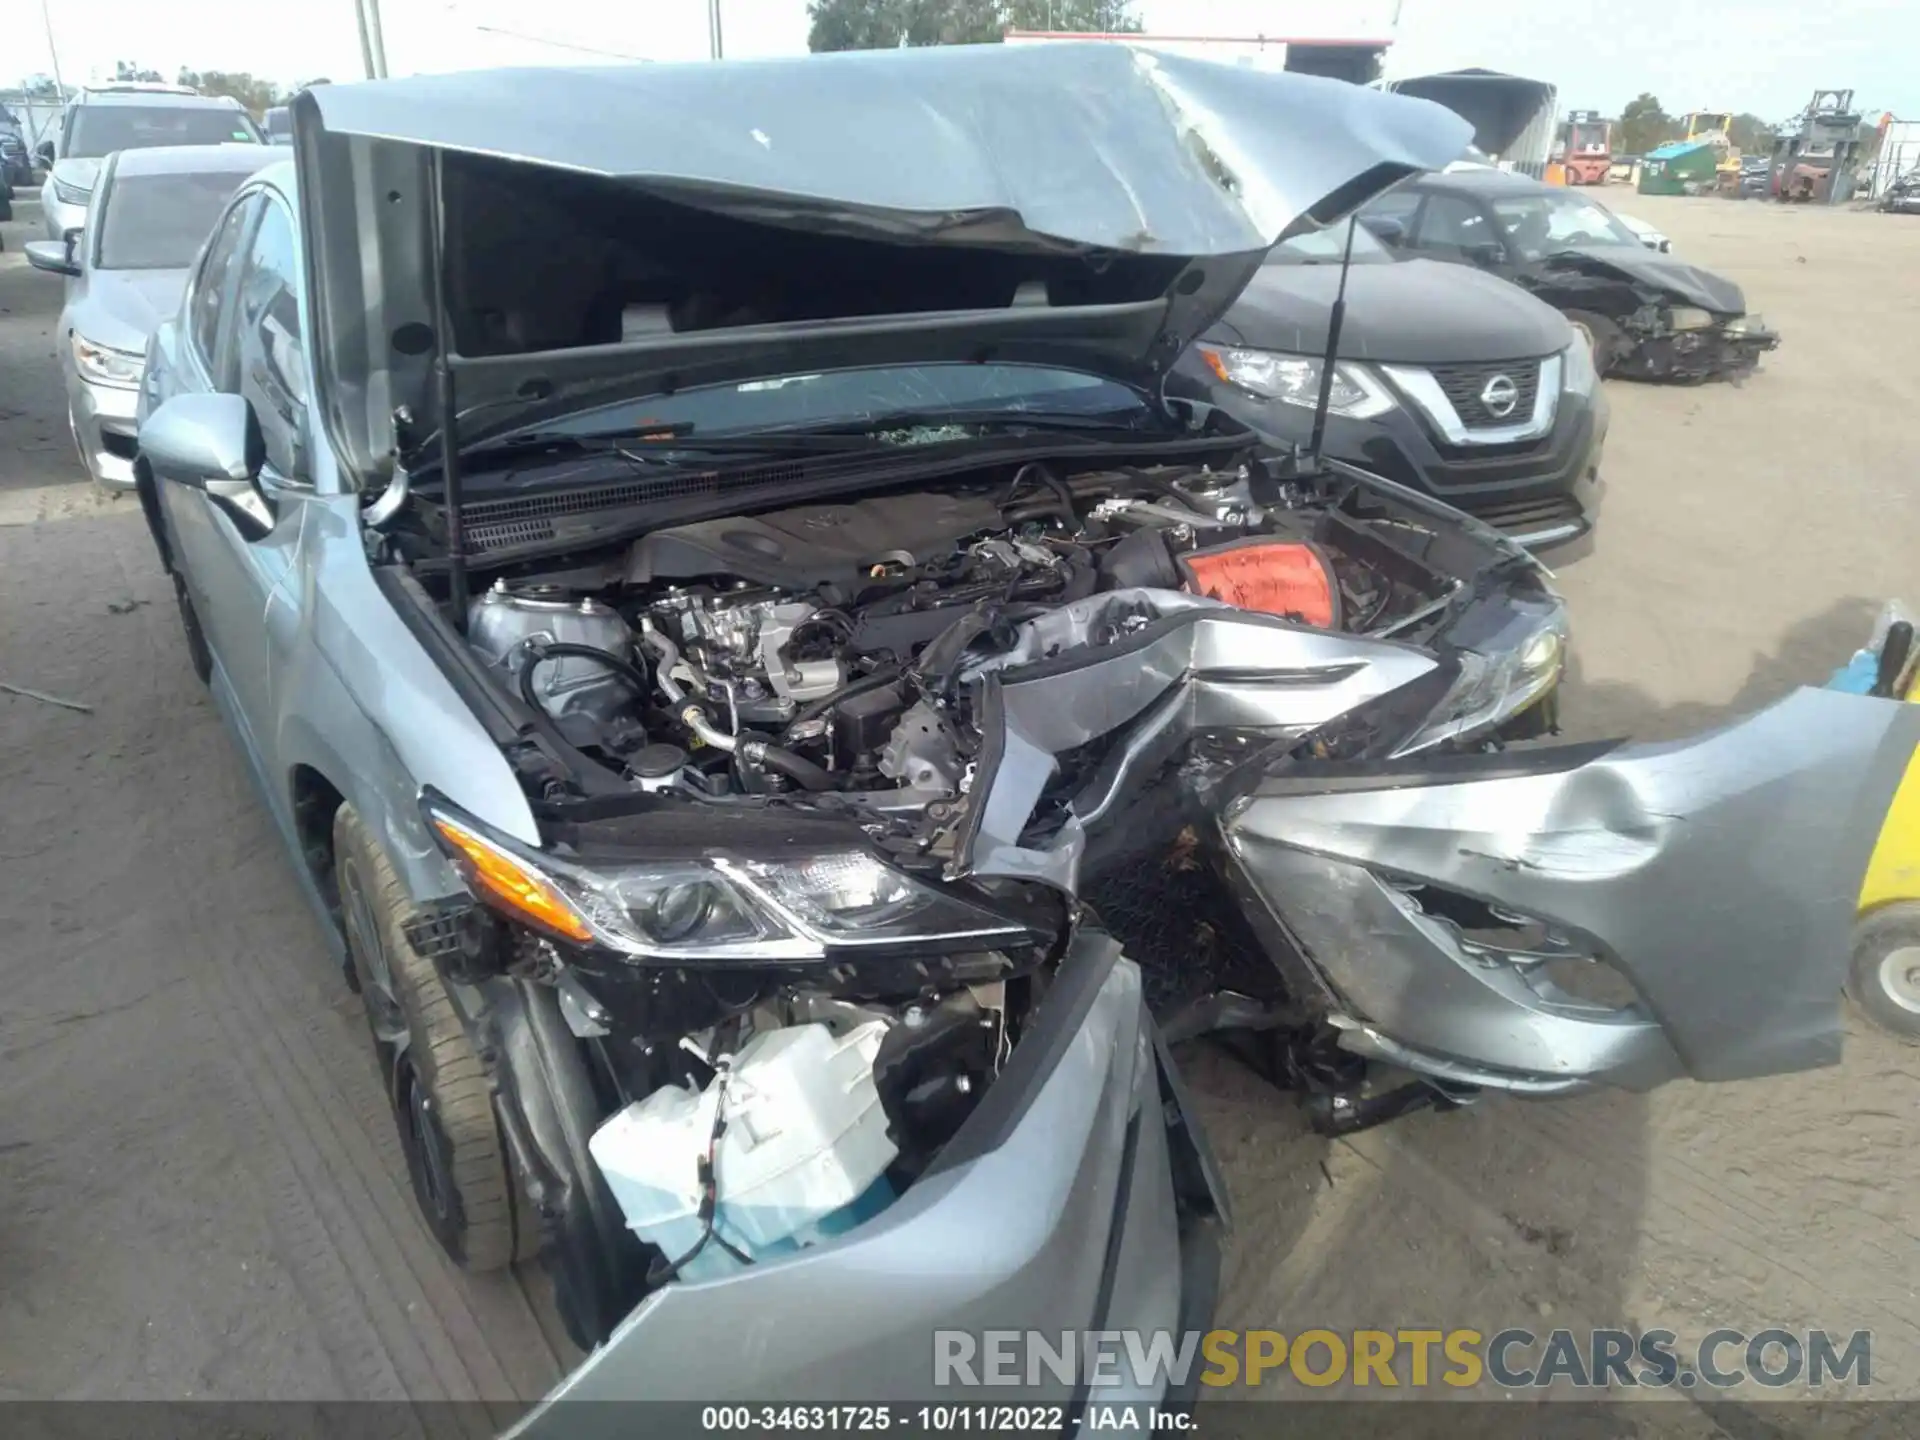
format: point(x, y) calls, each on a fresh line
point(1764, 56)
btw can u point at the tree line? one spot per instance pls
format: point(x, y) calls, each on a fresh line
point(888, 24)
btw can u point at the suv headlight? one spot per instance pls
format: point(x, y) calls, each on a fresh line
point(715, 907)
point(70, 194)
point(103, 365)
point(1689, 317)
point(1295, 380)
point(1577, 373)
point(1493, 688)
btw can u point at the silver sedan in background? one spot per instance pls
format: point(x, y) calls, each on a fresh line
point(151, 213)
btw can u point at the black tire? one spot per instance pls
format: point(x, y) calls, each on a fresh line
point(1609, 342)
point(1884, 979)
point(197, 652)
point(442, 1101)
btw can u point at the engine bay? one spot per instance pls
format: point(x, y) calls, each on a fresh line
point(824, 647)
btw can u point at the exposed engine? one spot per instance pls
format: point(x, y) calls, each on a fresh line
point(824, 647)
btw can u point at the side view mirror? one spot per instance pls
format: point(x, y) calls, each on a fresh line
point(43, 152)
point(56, 257)
point(211, 443)
point(1488, 254)
point(1385, 229)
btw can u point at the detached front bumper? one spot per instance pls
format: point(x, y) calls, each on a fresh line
point(1080, 1196)
point(1454, 909)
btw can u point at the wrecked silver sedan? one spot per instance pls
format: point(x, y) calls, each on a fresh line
point(734, 595)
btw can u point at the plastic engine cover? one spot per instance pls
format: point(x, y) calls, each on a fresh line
point(802, 1158)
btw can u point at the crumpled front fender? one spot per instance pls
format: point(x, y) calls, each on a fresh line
point(1719, 875)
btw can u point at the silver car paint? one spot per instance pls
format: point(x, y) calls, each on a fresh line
point(1043, 150)
point(1718, 874)
point(60, 216)
point(1208, 666)
point(312, 664)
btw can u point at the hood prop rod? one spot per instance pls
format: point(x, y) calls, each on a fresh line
point(449, 415)
point(1334, 321)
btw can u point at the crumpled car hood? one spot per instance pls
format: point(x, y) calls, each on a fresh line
point(1095, 149)
point(1688, 284)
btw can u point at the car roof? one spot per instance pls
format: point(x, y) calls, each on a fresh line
point(193, 160)
point(1486, 183)
point(150, 99)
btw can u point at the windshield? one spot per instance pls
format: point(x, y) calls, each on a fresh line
point(1538, 225)
point(841, 398)
point(1325, 247)
point(1589, 136)
point(102, 129)
point(158, 222)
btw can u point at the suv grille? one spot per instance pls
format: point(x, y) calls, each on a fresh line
point(1521, 517)
point(1465, 384)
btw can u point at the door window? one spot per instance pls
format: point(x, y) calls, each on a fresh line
point(1456, 229)
point(207, 310)
point(273, 364)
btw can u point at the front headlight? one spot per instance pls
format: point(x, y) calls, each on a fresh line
point(1295, 380)
point(1577, 374)
point(1493, 688)
point(70, 194)
point(103, 365)
point(1686, 317)
point(716, 907)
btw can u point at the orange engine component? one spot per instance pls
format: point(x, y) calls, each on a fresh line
point(1276, 577)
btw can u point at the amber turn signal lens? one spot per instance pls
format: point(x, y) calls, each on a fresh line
point(513, 884)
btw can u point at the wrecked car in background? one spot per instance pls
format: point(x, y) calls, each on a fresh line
point(1902, 195)
point(1651, 316)
point(711, 681)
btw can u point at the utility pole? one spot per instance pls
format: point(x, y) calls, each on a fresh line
point(46, 17)
point(373, 45)
point(715, 49)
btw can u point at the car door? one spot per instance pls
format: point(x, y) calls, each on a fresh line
point(240, 301)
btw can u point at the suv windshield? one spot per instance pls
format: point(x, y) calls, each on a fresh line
point(843, 398)
point(1538, 225)
point(102, 129)
point(159, 222)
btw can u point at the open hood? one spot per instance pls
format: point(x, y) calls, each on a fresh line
point(1096, 205)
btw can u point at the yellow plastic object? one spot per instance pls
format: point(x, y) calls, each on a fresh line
point(1894, 871)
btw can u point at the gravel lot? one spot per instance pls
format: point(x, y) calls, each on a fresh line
point(204, 1193)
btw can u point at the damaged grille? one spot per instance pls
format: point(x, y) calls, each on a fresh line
point(1177, 922)
point(1466, 386)
point(528, 519)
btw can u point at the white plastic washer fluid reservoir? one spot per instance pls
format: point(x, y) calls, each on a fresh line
point(803, 1157)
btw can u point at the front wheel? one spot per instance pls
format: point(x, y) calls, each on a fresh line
point(442, 1101)
point(1884, 980)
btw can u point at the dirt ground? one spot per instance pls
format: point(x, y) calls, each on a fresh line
point(203, 1192)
